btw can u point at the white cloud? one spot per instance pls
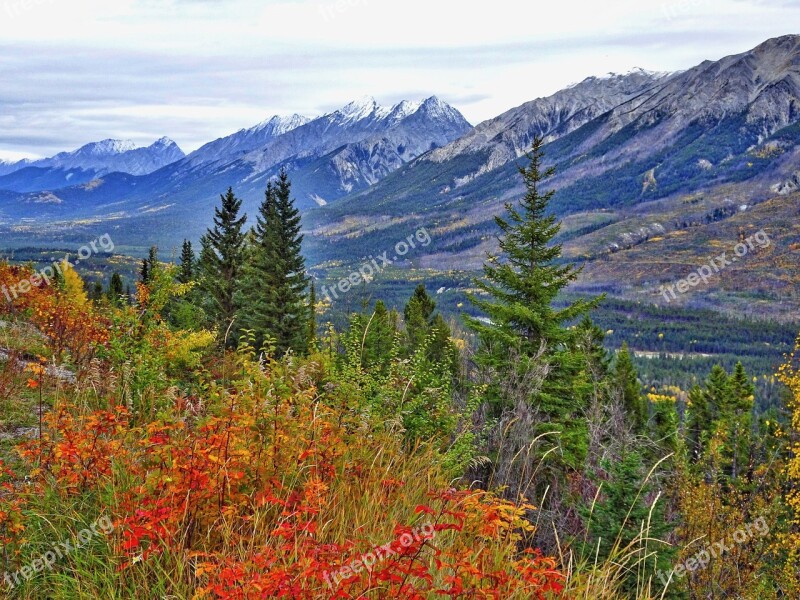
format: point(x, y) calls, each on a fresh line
point(82, 70)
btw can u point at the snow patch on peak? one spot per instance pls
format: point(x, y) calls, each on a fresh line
point(164, 141)
point(359, 109)
point(279, 125)
point(403, 109)
point(107, 147)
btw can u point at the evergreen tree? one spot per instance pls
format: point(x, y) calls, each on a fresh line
point(520, 286)
point(622, 521)
point(222, 248)
point(736, 420)
point(441, 349)
point(257, 294)
point(273, 291)
point(149, 265)
point(698, 421)
point(627, 384)
point(290, 271)
point(115, 290)
point(187, 266)
point(591, 381)
point(418, 316)
point(97, 292)
point(372, 335)
point(144, 272)
point(717, 391)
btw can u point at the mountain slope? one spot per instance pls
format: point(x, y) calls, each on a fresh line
point(733, 120)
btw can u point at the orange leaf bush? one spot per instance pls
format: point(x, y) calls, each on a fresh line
point(276, 492)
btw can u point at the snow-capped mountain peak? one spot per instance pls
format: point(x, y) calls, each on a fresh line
point(164, 141)
point(404, 109)
point(279, 125)
point(359, 109)
point(103, 148)
point(107, 156)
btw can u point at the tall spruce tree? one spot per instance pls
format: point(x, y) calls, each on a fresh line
point(736, 420)
point(418, 316)
point(257, 294)
point(273, 290)
point(222, 249)
point(290, 271)
point(519, 288)
point(149, 265)
point(187, 266)
point(698, 421)
point(116, 290)
point(629, 388)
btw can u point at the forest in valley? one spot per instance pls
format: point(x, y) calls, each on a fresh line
point(215, 433)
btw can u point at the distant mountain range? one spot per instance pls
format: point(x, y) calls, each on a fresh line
point(640, 156)
point(328, 157)
point(86, 163)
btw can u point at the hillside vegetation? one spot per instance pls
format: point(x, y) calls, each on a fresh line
point(210, 436)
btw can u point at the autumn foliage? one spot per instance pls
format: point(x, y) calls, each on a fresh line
point(247, 478)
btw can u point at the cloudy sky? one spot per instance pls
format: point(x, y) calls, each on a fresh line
point(82, 70)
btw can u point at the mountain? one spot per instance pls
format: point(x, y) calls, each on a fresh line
point(654, 173)
point(618, 143)
point(86, 163)
point(509, 136)
point(328, 157)
point(245, 140)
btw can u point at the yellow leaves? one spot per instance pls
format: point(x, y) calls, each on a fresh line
point(73, 286)
point(183, 348)
point(790, 377)
point(656, 398)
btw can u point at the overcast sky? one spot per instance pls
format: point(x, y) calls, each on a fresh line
point(77, 71)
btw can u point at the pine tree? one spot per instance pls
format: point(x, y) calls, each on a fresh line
point(290, 272)
point(699, 419)
point(591, 382)
point(441, 349)
point(149, 265)
point(418, 315)
point(627, 383)
point(273, 291)
point(115, 290)
point(97, 292)
point(144, 272)
point(373, 336)
point(187, 266)
point(520, 286)
point(717, 391)
point(257, 295)
point(736, 418)
point(622, 521)
point(222, 249)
